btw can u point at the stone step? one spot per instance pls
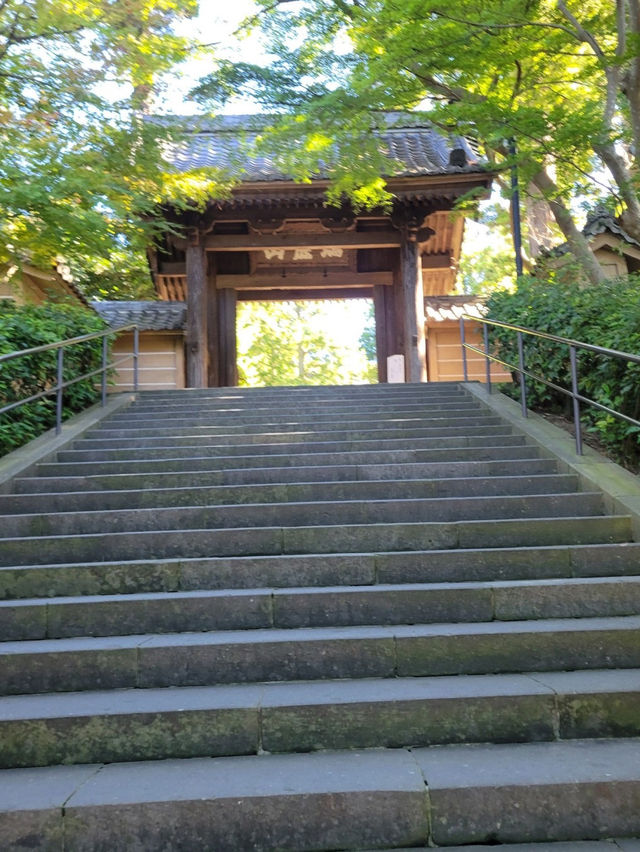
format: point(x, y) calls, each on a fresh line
point(306, 716)
point(346, 800)
point(209, 447)
point(307, 427)
point(306, 391)
point(621, 844)
point(317, 653)
point(307, 417)
point(254, 407)
point(337, 606)
point(237, 572)
point(352, 393)
point(277, 438)
point(338, 538)
point(300, 459)
point(302, 514)
point(298, 475)
point(286, 492)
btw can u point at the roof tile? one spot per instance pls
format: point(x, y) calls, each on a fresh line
point(148, 316)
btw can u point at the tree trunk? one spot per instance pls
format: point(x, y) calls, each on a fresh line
point(577, 241)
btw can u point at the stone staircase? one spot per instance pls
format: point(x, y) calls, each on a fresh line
point(314, 619)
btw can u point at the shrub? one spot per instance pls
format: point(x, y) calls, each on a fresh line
point(28, 326)
point(605, 315)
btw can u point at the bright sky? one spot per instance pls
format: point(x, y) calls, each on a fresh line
point(215, 25)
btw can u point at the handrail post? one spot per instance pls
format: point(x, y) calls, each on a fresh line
point(523, 378)
point(463, 342)
point(485, 330)
point(59, 389)
point(136, 353)
point(576, 402)
point(104, 370)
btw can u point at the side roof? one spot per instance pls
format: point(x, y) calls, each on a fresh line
point(600, 220)
point(148, 316)
point(413, 146)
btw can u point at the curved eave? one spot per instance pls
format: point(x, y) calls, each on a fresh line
point(411, 189)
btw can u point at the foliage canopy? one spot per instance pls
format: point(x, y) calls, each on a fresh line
point(81, 170)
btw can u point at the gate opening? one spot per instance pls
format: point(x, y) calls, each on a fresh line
point(310, 342)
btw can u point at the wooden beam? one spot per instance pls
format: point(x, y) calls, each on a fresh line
point(196, 335)
point(302, 280)
point(285, 295)
point(436, 261)
point(350, 239)
point(413, 311)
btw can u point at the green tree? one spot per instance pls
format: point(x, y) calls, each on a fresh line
point(81, 171)
point(561, 78)
point(290, 343)
point(486, 261)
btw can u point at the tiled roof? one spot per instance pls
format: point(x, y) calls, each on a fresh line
point(599, 220)
point(225, 143)
point(447, 308)
point(148, 316)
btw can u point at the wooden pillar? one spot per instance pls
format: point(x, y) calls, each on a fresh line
point(196, 317)
point(415, 364)
point(213, 334)
point(228, 365)
point(379, 304)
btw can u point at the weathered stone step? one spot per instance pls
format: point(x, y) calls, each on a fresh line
point(205, 448)
point(304, 416)
point(224, 407)
point(315, 473)
point(277, 438)
point(307, 427)
point(184, 574)
point(352, 393)
point(286, 492)
point(302, 514)
point(621, 844)
point(132, 725)
point(337, 606)
point(354, 538)
point(332, 800)
point(197, 463)
point(314, 653)
point(209, 446)
point(308, 391)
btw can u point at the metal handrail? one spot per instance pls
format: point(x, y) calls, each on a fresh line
point(576, 397)
point(61, 384)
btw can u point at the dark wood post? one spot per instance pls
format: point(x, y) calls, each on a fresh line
point(227, 327)
point(213, 334)
point(196, 316)
point(415, 363)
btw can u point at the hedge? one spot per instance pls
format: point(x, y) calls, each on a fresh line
point(605, 315)
point(24, 327)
